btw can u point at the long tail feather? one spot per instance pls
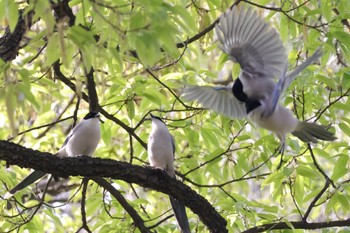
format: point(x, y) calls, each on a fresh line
point(34, 176)
point(291, 76)
point(310, 132)
point(180, 214)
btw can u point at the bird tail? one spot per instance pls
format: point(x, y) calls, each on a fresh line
point(310, 132)
point(34, 176)
point(180, 214)
point(291, 76)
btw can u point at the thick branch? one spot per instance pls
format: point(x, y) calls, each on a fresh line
point(63, 10)
point(146, 177)
point(10, 41)
point(93, 99)
point(298, 225)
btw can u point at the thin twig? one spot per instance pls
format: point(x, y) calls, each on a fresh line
point(313, 203)
point(82, 207)
point(127, 207)
point(318, 167)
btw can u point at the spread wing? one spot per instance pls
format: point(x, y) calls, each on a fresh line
point(219, 99)
point(251, 42)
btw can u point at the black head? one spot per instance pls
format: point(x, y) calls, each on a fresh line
point(91, 115)
point(155, 117)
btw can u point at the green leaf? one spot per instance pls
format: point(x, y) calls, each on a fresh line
point(344, 38)
point(153, 96)
point(327, 81)
point(209, 137)
point(12, 14)
point(284, 28)
point(346, 80)
point(325, 9)
point(80, 36)
point(106, 133)
point(340, 168)
point(2, 9)
point(11, 104)
point(29, 96)
point(345, 128)
point(275, 177)
point(131, 109)
point(306, 171)
point(148, 49)
point(343, 200)
point(52, 53)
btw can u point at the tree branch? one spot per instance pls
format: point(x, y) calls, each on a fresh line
point(127, 207)
point(85, 166)
point(205, 31)
point(10, 41)
point(318, 166)
point(313, 203)
point(298, 225)
point(71, 85)
point(83, 212)
point(91, 86)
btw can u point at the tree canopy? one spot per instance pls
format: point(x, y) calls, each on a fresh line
point(126, 59)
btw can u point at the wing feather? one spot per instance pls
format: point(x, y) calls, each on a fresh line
point(219, 99)
point(251, 42)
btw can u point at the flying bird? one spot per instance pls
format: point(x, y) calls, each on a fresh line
point(161, 149)
point(82, 140)
point(248, 40)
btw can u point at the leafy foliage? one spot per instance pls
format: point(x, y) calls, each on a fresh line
point(142, 54)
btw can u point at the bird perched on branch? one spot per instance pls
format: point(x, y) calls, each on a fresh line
point(161, 149)
point(82, 140)
point(248, 40)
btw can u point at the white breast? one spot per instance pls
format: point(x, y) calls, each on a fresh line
point(160, 147)
point(282, 121)
point(85, 138)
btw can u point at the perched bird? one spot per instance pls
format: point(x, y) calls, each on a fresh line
point(248, 40)
point(82, 140)
point(161, 149)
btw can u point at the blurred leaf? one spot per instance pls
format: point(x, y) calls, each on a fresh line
point(346, 80)
point(106, 133)
point(340, 167)
point(209, 137)
point(51, 49)
point(327, 81)
point(12, 14)
point(345, 128)
point(148, 49)
point(306, 171)
point(11, 104)
point(131, 109)
point(343, 201)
